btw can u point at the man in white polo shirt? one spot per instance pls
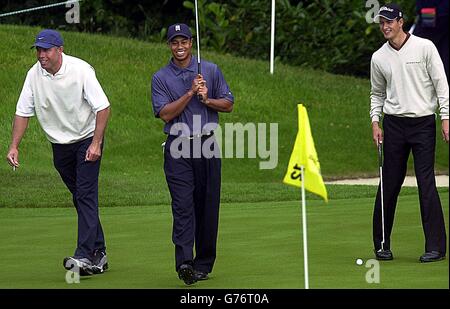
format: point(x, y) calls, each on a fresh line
point(72, 109)
point(408, 86)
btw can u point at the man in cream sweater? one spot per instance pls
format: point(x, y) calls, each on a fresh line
point(409, 86)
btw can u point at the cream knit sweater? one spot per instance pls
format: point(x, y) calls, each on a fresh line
point(409, 82)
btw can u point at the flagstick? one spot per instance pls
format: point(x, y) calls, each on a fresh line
point(198, 39)
point(305, 241)
point(272, 38)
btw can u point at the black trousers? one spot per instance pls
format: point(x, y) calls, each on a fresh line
point(401, 135)
point(81, 178)
point(194, 185)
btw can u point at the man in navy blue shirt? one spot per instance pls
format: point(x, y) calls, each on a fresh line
point(189, 103)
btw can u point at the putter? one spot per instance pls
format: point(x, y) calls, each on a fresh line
point(199, 65)
point(380, 165)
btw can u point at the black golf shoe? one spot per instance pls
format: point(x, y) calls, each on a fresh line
point(432, 256)
point(383, 255)
point(186, 273)
point(200, 275)
point(100, 264)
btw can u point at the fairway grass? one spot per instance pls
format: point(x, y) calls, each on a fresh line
point(260, 246)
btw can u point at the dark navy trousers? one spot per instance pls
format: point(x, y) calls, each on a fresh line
point(194, 185)
point(81, 178)
point(401, 135)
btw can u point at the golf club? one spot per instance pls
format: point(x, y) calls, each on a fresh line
point(200, 98)
point(380, 165)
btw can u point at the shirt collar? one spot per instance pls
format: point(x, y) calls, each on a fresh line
point(61, 70)
point(177, 70)
point(408, 35)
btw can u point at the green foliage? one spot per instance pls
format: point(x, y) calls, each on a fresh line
point(214, 30)
point(325, 34)
point(331, 35)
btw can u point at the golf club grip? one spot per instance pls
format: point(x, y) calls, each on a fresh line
point(200, 98)
point(380, 155)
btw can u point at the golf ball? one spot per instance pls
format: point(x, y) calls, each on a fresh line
point(359, 262)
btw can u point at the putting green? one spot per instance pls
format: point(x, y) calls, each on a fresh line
point(260, 246)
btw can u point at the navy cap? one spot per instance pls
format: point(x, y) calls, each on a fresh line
point(389, 11)
point(178, 30)
point(48, 38)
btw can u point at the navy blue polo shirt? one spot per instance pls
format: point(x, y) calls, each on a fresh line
point(172, 82)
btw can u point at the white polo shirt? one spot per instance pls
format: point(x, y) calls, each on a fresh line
point(409, 82)
point(66, 103)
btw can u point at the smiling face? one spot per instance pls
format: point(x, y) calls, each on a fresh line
point(181, 48)
point(391, 28)
point(50, 58)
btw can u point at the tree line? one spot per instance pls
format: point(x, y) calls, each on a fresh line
point(331, 35)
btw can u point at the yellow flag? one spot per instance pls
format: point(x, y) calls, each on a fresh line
point(304, 153)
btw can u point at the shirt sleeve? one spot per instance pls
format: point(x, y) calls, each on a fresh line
point(25, 104)
point(436, 70)
point(93, 92)
point(160, 97)
point(221, 88)
point(377, 92)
